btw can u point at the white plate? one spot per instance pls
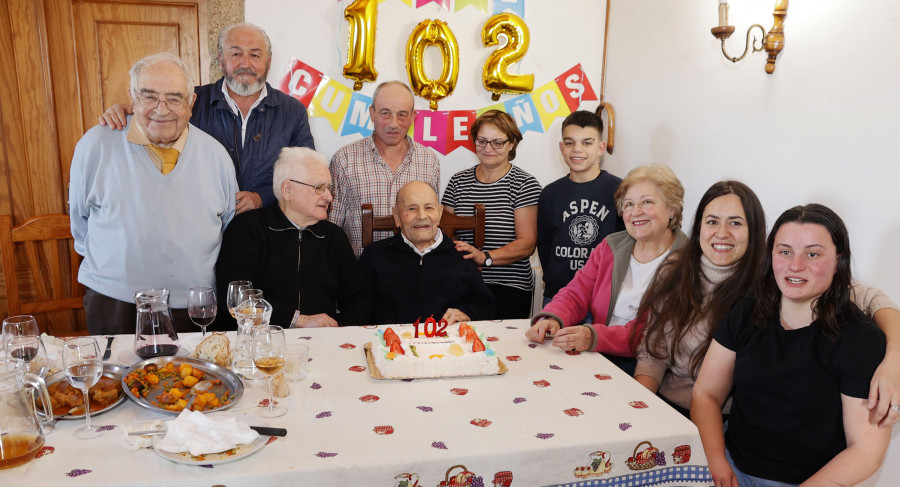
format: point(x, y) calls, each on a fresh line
point(241, 451)
point(128, 358)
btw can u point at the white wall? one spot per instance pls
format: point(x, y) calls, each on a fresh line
point(821, 129)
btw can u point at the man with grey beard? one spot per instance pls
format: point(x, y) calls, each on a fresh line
point(244, 113)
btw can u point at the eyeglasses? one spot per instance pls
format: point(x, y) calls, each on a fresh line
point(150, 102)
point(496, 143)
point(320, 188)
point(643, 204)
point(387, 115)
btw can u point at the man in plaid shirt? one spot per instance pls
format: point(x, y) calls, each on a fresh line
point(373, 169)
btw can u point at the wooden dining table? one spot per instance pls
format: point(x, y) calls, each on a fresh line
point(554, 418)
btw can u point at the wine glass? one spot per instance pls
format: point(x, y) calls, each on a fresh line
point(268, 349)
point(202, 306)
point(83, 365)
point(31, 349)
point(250, 294)
point(234, 294)
point(21, 325)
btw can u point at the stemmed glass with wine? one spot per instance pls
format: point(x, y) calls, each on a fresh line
point(268, 349)
point(234, 294)
point(83, 366)
point(22, 339)
point(202, 306)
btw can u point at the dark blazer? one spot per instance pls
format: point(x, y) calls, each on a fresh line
point(278, 121)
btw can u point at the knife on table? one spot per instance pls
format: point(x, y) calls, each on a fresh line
point(263, 430)
point(108, 351)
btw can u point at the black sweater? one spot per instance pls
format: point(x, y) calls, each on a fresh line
point(407, 287)
point(313, 270)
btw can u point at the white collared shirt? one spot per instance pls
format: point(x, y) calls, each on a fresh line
point(237, 111)
point(437, 241)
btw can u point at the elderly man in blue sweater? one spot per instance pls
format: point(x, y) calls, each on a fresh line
point(148, 205)
point(418, 273)
point(244, 113)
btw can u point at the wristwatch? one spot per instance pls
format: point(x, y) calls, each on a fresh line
point(488, 261)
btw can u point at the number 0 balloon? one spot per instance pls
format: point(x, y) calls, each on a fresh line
point(432, 33)
point(496, 75)
point(361, 15)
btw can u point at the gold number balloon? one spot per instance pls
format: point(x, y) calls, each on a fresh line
point(432, 33)
point(361, 15)
point(496, 75)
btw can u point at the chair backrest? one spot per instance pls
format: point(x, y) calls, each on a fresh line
point(47, 242)
point(371, 223)
point(450, 223)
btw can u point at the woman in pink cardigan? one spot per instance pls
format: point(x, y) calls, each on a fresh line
point(618, 271)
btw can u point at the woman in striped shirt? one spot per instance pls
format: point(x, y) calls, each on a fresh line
point(510, 196)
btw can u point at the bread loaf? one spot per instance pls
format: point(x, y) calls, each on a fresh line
point(214, 348)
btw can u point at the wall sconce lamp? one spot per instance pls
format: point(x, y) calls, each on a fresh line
point(774, 39)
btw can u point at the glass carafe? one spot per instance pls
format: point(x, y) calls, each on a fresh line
point(21, 437)
point(154, 334)
point(249, 314)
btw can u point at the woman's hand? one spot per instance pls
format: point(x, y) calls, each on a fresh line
point(573, 338)
point(470, 251)
point(721, 472)
point(540, 329)
point(884, 391)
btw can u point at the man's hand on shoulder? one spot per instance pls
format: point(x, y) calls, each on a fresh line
point(247, 200)
point(116, 116)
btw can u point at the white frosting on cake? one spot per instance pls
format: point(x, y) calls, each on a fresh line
point(427, 363)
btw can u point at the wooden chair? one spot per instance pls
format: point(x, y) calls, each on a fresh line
point(46, 256)
point(371, 223)
point(450, 223)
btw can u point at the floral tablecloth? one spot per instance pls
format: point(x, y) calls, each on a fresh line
point(553, 419)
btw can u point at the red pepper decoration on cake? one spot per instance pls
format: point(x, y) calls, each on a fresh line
point(463, 329)
point(471, 336)
point(389, 336)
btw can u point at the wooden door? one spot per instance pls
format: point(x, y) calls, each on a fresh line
point(65, 61)
point(111, 36)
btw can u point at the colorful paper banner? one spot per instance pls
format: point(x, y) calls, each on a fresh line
point(550, 103)
point(431, 130)
point(458, 124)
point(300, 81)
point(522, 110)
point(575, 88)
point(357, 120)
point(347, 111)
point(515, 6)
point(331, 102)
point(481, 5)
point(444, 4)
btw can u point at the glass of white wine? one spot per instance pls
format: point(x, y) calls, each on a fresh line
point(83, 365)
point(234, 294)
point(268, 348)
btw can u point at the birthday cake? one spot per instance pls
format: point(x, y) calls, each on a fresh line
point(461, 352)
